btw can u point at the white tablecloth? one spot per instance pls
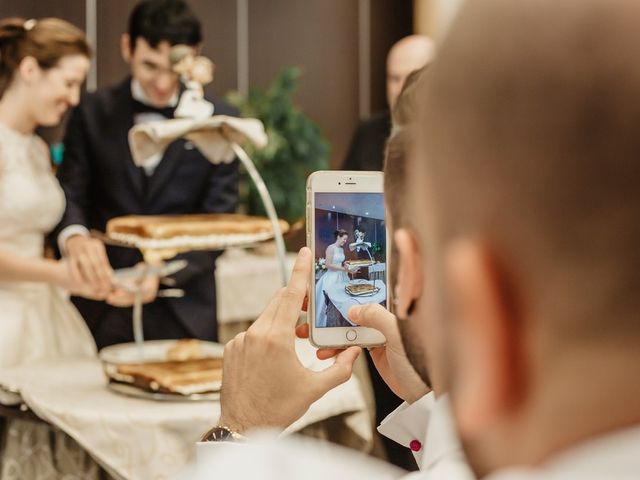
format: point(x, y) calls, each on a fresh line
point(142, 439)
point(245, 282)
point(343, 301)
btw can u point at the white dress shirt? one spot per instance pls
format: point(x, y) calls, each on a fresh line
point(426, 421)
point(615, 456)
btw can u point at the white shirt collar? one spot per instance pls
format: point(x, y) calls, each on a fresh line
point(138, 94)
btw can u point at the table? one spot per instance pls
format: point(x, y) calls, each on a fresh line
point(343, 301)
point(246, 282)
point(141, 439)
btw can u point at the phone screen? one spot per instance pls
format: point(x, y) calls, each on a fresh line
point(350, 255)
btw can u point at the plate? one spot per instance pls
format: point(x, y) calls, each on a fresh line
point(135, 392)
point(154, 351)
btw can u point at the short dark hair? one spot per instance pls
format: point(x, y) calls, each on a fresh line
point(170, 20)
point(340, 233)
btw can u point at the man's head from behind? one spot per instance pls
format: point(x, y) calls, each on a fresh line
point(407, 55)
point(154, 27)
point(524, 191)
point(422, 350)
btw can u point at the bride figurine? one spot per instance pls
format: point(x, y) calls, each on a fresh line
point(195, 72)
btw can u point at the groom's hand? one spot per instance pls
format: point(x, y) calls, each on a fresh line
point(263, 383)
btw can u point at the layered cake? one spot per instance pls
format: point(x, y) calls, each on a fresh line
point(179, 377)
point(361, 289)
point(193, 225)
point(187, 370)
point(359, 263)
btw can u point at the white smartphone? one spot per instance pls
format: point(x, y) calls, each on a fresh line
point(346, 231)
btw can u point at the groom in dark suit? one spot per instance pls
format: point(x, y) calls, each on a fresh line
point(101, 181)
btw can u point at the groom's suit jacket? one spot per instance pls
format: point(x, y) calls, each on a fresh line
point(101, 181)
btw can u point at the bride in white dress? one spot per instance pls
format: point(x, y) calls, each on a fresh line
point(42, 67)
point(336, 273)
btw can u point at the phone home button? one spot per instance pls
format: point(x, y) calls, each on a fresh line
point(351, 335)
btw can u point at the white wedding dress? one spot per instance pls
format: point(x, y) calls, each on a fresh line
point(330, 277)
point(37, 320)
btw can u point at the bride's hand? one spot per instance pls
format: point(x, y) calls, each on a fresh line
point(71, 279)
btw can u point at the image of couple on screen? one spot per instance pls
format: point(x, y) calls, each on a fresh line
point(332, 299)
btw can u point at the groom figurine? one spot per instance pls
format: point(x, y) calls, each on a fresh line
point(101, 181)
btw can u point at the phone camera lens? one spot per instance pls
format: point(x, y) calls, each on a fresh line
point(339, 183)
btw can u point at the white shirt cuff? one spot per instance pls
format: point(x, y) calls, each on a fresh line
point(67, 233)
point(408, 424)
point(442, 448)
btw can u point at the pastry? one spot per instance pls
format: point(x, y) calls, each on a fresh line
point(360, 288)
point(185, 349)
point(359, 263)
point(185, 377)
point(169, 226)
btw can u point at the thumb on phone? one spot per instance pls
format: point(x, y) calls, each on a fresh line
point(375, 316)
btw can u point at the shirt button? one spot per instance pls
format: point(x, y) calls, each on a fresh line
point(415, 445)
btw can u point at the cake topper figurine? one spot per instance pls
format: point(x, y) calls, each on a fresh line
point(195, 72)
point(360, 245)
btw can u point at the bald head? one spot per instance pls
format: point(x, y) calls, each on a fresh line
point(406, 55)
point(531, 137)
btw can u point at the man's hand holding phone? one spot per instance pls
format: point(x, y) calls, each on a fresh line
point(390, 359)
point(264, 384)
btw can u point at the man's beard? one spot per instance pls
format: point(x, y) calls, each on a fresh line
point(415, 353)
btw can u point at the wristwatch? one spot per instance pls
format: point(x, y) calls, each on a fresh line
point(222, 433)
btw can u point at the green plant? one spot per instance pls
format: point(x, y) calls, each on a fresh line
point(296, 146)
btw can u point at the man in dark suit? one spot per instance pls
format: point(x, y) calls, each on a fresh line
point(367, 146)
point(367, 153)
point(101, 181)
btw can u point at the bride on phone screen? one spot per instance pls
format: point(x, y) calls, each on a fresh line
point(336, 273)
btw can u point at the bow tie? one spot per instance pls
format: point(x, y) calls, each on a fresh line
point(139, 107)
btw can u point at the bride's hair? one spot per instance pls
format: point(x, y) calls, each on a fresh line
point(340, 233)
point(47, 40)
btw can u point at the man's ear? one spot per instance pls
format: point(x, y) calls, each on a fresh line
point(485, 346)
point(125, 47)
point(409, 278)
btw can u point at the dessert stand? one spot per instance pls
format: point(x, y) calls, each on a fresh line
point(218, 138)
